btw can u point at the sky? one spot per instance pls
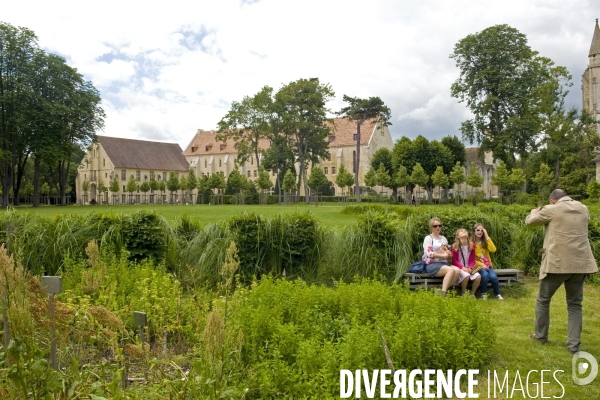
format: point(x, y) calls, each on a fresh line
point(167, 68)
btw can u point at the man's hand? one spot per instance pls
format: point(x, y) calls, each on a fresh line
point(535, 210)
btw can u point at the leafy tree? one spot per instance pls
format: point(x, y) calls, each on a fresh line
point(236, 182)
point(302, 105)
point(360, 110)
point(279, 158)
point(101, 186)
point(85, 186)
point(501, 80)
point(217, 181)
point(401, 178)
point(145, 188)
point(475, 180)
point(544, 179)
point(457, 176)
point(439, 179)
point(132, 186)
point(192, 180)
point(45, 191)
point(172, 183)
point(28, 189)
point(289, 182)
point(384, 155)
point(114, 187)
point(516, 178)
point(593, 189)
point(382, 177)
point(317, 179)
point(371, 177)
point(264, 181)
point(247, 123)
point(161, 188)
point(501, 177)
point(418, 176)
point(344, 178)
point(456, 147)
point(153, 183)
point(183, 185)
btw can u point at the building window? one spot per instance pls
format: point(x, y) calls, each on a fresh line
point(123, 188)
point(106, 174)
point(255, 173)
point(330, 139)
point(251, 160)
point(123, 174)
point(104, 162)
point(332, 170)
point(354, 161)
point(151, 175)
point(328, 157)
point(248, 173)
point(164, 175)
point(219, 162)
point(221, 146)
point(326, 170)
point(204, 163)
point(194, 149)
point(84, 177)
point(138, 175)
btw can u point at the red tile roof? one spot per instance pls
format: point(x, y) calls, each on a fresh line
point(143, 154)
point(204, 142)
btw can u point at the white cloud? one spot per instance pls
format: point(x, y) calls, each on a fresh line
point(166, 69)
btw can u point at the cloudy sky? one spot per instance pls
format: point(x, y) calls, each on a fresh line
point(167, 68)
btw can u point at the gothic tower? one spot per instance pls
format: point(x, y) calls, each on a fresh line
point(590, 81)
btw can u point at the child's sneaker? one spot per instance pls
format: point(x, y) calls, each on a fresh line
point(500, 297)
point(484, 296)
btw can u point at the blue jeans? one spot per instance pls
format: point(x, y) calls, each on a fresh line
point(489, 275)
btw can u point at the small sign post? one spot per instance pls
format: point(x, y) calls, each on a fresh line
point(52, 285)
point(140, 320)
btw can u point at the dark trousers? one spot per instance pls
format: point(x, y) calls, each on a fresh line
point(574, 296)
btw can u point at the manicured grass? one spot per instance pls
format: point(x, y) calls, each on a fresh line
point(328, 214)
point(515, 351)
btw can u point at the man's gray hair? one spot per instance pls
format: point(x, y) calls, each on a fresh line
point(557, 194)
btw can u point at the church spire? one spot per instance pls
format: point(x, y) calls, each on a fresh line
point(595, 47)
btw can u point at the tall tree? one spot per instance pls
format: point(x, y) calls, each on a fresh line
point(457, 176)
point(402, 179)
point(317, 179)
point(500, 78)
point(18, 47)
point(131, 187)
point(114, 188)
point(247, 123)
point(544, 180)
point(344, 179)
point(419, 177)
point(302, 105)
point(475, 180)
point(172, 183)
point(360, 110)
point(382, 177)
point(439, 179)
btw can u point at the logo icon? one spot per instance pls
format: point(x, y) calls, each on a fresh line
point(583, 364)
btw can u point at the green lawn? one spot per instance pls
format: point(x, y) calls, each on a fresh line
point(327, 213)
point(515, 351)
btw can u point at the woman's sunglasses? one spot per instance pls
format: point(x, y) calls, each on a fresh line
point(478, 230)
point(436, 226)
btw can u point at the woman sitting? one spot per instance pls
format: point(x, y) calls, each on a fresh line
point(483, 247)
point(436, 254)
point(463, 256)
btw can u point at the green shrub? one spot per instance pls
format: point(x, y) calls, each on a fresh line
point(297, 336)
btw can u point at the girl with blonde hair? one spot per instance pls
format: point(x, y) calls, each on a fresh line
point(436, 255)
point(463, 257)
point(483, 247)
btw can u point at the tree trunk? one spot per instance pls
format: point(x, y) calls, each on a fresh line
point(36, 181)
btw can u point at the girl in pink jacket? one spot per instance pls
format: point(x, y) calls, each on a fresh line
point(463, 256)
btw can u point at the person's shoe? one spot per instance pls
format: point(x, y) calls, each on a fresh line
point(499, 297)
point(534, 337)
point(573, 352)
point(484, 296)
point(473, 296)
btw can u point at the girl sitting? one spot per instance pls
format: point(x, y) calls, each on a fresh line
point(463, 256)
point(483, 247)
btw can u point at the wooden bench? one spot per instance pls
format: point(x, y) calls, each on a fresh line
point(506, 277)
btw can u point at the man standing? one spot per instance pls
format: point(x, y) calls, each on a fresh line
point(566, 259)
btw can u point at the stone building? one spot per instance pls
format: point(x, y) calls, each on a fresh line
point(590, 86)
point(114, 157)
point(486, 170)
point(209, 156)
